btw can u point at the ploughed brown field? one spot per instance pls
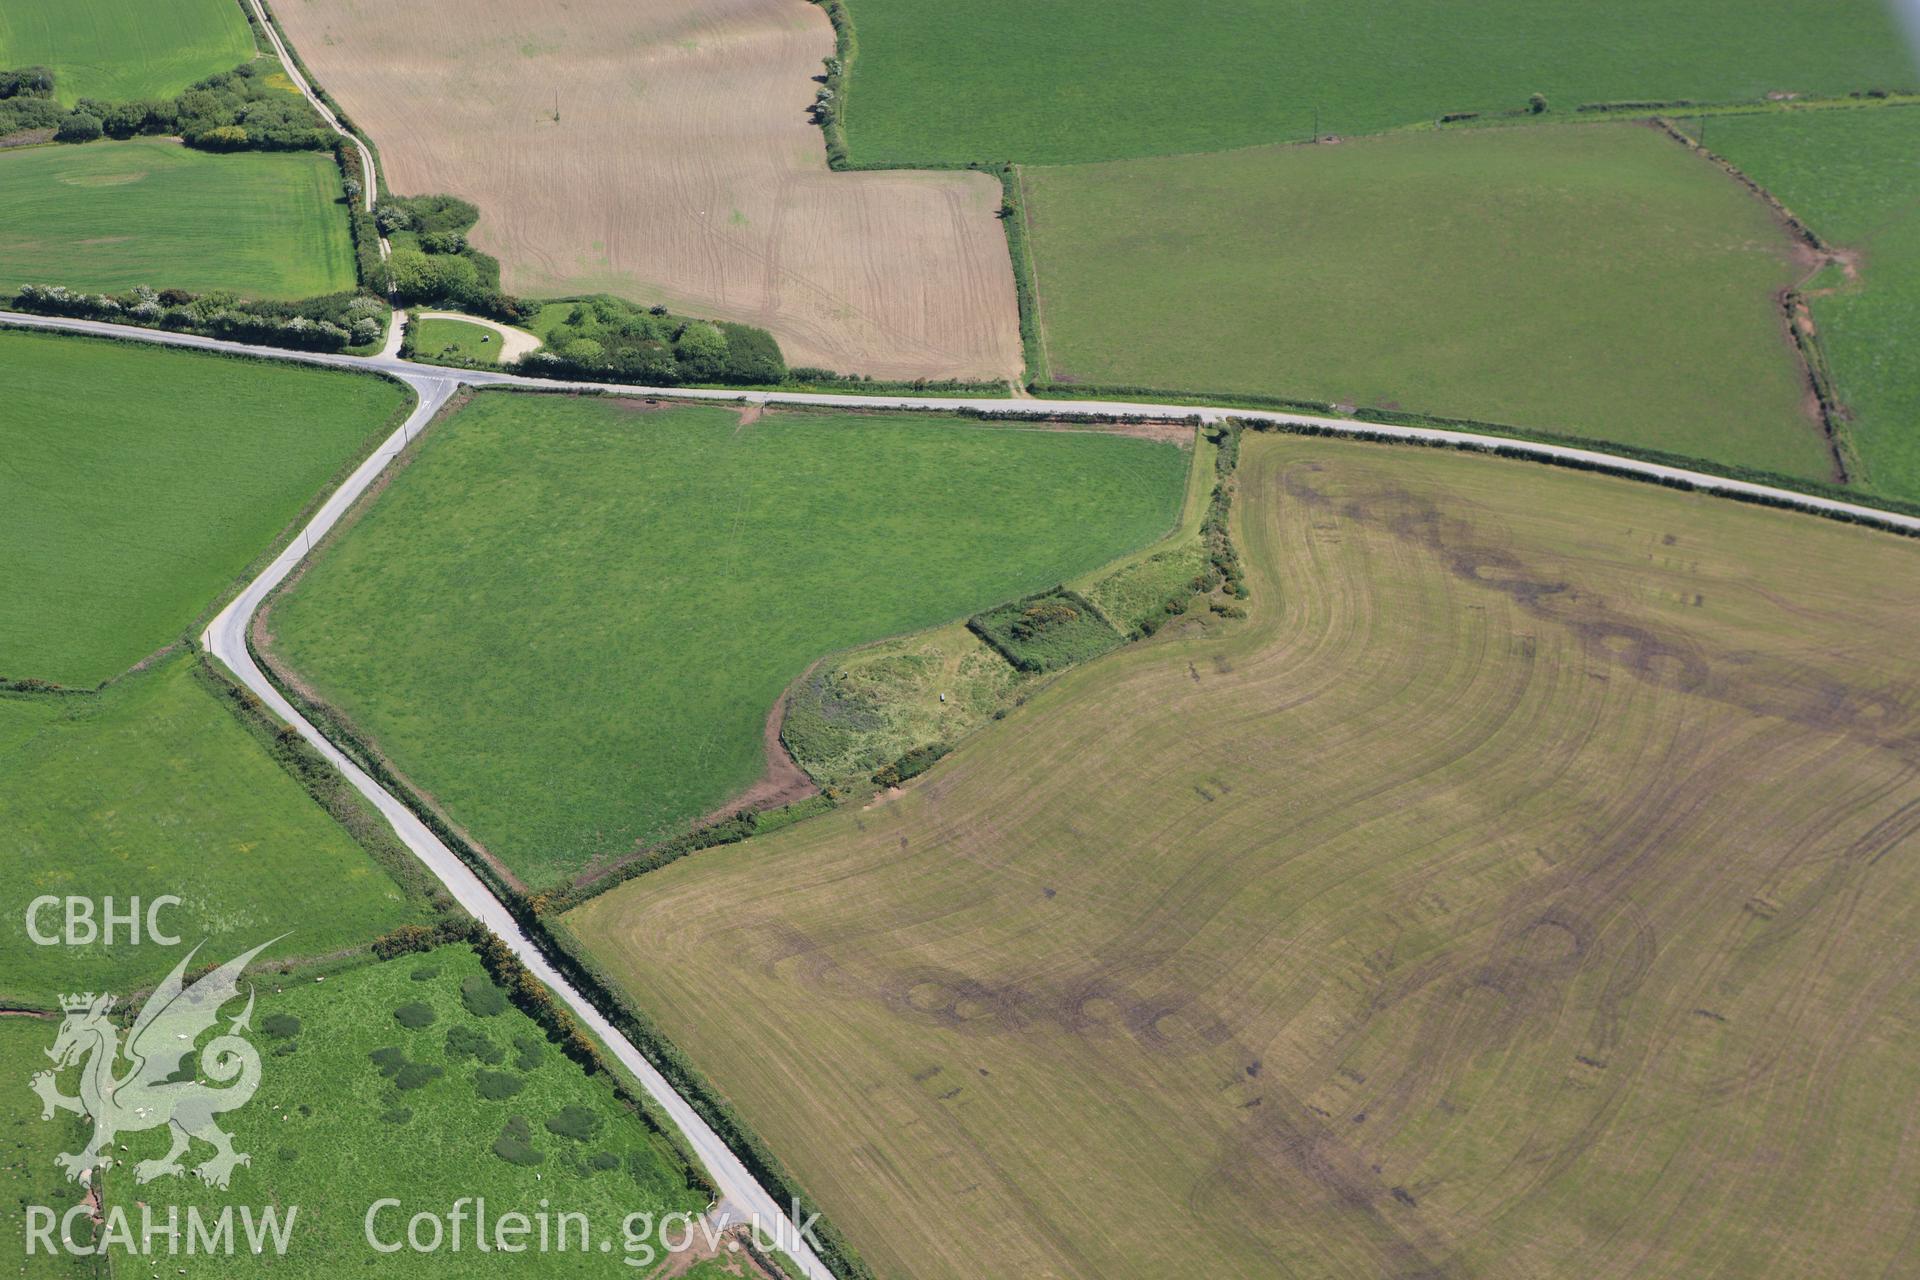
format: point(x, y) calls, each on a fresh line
point(1526, 888)
point(662, 151)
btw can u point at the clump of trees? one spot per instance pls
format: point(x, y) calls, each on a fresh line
point(433, 263)
point(235, 111)
point(608, 338)
point(332, 322)
point(26, 101)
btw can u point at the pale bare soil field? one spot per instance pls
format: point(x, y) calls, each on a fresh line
point(661, 151)
point(1526, 888)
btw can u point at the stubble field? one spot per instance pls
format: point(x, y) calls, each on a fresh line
point(1523, 890)
point(662, 152)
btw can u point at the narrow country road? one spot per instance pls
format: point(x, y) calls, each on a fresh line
point(742, 1198)
point(408, 371)
point(369, 184)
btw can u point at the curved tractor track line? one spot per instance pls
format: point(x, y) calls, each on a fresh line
point(370, 186)
point(741, 1195)
point(408, 371)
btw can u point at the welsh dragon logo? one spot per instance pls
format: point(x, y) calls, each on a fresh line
point(158, 1086)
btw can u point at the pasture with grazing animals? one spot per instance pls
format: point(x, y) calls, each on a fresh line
point(1526, 881)
point(1074, 80)
point(568, 618)
point(117, 51)
point(142, 482)
point(661, 151)
point(154, 787)
point(113, 215)
point(1645, 315)
point(1854, 178)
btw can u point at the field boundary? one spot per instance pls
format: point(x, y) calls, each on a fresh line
point(1806, 340)
point(324, 785)
point(1811, 497)
point(1360, 416)
point(1026, 278)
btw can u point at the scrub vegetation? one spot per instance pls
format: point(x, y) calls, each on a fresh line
point(1530, 855)
point(357, 1107)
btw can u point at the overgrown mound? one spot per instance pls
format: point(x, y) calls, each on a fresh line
point(1046, 632)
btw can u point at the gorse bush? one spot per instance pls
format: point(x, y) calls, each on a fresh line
point(576, 1122)
point(498, 1085)
point(414, 1015)
point(481, 997)
point(417, 1075)
point(515, 1143)
point(464, 1043)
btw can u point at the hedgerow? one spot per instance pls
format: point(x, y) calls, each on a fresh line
point(233, 111)
point(332, 322)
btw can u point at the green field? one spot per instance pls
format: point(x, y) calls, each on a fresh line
point(152, 787)
point(1854, 176)
point(1527, 881)
point(438, 339)
point(1597, 281)
point(142, 482)
point(568, 619)
point(124, 50)
point(1077, 80)
point(112, 215)
point(27, 1147)
point(329, 1132)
